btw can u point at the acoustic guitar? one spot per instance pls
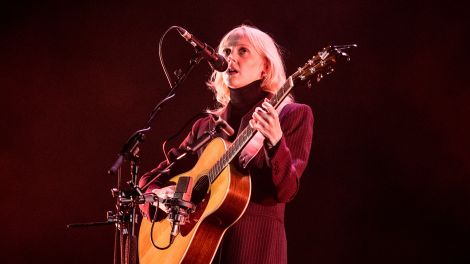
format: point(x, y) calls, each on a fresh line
point(220, 193)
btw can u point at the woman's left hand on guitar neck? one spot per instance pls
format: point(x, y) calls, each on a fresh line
point(266, 121)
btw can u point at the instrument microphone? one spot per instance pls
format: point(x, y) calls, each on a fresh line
point(180, 205)
point(221, 124)
point(216, 60)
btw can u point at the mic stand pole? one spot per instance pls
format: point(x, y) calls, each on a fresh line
point(124, 217)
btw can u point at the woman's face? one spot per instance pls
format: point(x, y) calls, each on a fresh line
point(245, 65)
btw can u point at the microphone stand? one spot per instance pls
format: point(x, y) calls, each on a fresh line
point(125, 217)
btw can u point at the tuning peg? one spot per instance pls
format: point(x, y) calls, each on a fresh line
point(319, 77)
point(309, 84)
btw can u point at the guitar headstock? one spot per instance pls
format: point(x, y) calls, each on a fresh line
point(322, 63)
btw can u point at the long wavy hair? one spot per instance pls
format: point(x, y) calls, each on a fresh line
point(264, 45)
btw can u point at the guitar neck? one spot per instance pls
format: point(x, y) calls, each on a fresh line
point(247, 133)
point(317, 67)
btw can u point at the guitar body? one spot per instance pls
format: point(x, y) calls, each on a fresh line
point(225, 202)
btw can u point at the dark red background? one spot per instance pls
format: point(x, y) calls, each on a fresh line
point(388, 180)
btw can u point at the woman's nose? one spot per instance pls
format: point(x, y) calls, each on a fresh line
point(230, 58)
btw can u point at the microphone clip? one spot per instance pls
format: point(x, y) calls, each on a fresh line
point(222, 125)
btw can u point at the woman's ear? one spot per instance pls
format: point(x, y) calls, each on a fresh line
point(265, 71)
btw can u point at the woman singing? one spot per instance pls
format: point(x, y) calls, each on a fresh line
point(255, 72)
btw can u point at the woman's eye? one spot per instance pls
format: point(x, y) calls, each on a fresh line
point(242, 51)
point(226, 52)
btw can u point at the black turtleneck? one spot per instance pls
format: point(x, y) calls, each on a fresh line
point(242, 100)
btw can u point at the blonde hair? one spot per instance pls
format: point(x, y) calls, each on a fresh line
point(264, 45)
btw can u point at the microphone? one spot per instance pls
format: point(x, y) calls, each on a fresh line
point(221, 124)
point(180, 205)
point(216, 60)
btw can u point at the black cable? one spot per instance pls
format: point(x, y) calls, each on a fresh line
point(160, 55)
point(151, 230)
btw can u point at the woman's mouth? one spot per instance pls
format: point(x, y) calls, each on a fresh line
point(231, 71)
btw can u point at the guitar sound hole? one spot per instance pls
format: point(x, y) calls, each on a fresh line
point(200, 190)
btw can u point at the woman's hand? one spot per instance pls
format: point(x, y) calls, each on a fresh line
point(266, 121)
